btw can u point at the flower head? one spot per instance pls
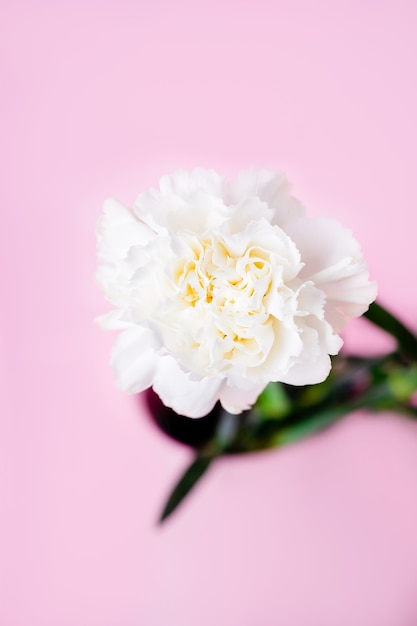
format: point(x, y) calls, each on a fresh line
point(222, 287)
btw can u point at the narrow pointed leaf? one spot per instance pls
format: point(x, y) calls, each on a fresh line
point(187, 481)
point(407, 341)
point(310, 425)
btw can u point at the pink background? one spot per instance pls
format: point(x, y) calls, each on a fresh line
point(99, 99)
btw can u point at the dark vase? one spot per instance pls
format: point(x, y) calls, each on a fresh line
point(189, 431)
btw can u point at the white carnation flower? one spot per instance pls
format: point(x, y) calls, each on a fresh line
point(223, 287)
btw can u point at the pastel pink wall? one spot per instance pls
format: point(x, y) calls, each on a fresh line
point(99, 99)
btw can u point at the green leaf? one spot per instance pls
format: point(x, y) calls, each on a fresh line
point(187, 481)
point(273, 403)
point(403, 383)
point(308, 426)
point(307, 422)
point(407, 341)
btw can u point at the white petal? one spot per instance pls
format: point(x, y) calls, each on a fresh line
point(134, 359)
point(270, 187)
point(333, 261)
point(118, 230)
point(190, 201)
point(184, 183)
point(308, 372)
point(287, 347)
point(235, 399)
point(322, 242)
point(246, 211)
point(112, 320)
point(192, 398)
